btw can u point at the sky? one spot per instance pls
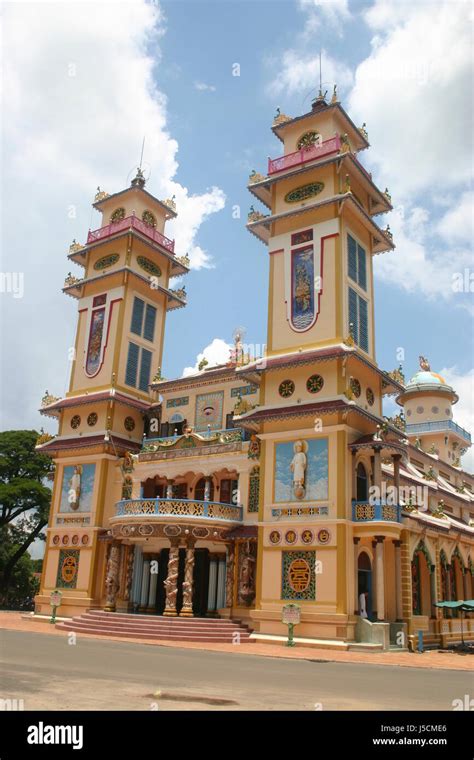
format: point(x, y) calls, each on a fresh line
point(83, 83)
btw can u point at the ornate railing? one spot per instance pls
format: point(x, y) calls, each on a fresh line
point(178, 508)
point(365, 511)
point(426, 427)
point(229, 435)
point(130, 222)
point(318, 150)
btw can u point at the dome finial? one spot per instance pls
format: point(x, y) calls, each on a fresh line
point(424, 364)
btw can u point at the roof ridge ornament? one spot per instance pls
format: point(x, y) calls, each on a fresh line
point(139, 179)
point(424, 363)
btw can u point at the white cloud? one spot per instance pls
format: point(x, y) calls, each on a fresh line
point(331, 11)
point(463, 412)
point(81, 95)
point(457, 224)
point(217, 352)
point(299, 72)
point(203, 87)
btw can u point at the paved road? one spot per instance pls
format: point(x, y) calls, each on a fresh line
point(48, 673)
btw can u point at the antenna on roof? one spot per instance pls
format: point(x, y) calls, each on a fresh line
point(141, 155)
point(320, 74)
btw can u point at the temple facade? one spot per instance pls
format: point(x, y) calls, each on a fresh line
point(270, 479)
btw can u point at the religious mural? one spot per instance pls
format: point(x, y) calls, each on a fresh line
point(302, 288)
point(301, 470)
point(298, 575)
point(209, 411)
point(77, 488)
point(95, 341)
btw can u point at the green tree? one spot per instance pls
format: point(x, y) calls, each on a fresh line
point(24, 502)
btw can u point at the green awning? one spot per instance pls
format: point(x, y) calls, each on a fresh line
point(465, 606)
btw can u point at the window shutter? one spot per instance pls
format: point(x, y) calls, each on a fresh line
point(352, 257)
point(137, 316)
point(150, 319)
point(132, 365)
point(363, 325)
point(145, 368)
point(353, 314)
point(362, 267)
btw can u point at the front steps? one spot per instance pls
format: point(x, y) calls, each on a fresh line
point(154, 627)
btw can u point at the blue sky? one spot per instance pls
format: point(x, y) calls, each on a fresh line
point(165, 70)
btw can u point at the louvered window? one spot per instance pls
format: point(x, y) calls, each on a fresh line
point(356, 262)
point(132, 365)
point(143, 319)
point(145, 369)
point(358, 318)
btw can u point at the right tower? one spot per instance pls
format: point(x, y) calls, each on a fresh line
point(321, 390)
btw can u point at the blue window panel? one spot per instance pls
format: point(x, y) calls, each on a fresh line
point(150, 319)
point(361, 262)
point(137, 316)
point(353, 314)
point(363, 325)
point(132, 365)
point(145, 369)
point(352, 257)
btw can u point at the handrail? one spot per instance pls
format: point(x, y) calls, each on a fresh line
point(130, 222)
point(318, 150)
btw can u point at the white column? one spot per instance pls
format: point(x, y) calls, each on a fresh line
point(398, 579)
point(356, 575)
point(153, 586)
point(207, 489)
point(137, 576)
point(221, 584)
point(145, 583)
point(211, 597)
point(169, 489)
point(380, 594)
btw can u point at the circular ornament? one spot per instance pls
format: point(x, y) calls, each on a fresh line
point(118, 215)
point(324, 536)
point(290, 537)
point(75, 421)
point(299, 575)
point(149, 218)
point(420, 409)
point(65, 540)
point(129, 424)
point(307, 140)
point(56, 540)
point(370, 396)
point(275, 537)
point(304, 192)
point(408, 412)
point(85, 540)
point(307, 536)
point(355, 387)
point(92, 419)
point(149, 266)
point(314, 383)
point(286, 388)
point(75, 540)
point(106, 261)
point(435, 409)
point(447, 412)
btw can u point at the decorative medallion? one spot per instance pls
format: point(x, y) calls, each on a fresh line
point(149, 266)
point(75, 421)
point(275, 537)
point(67, 568)
point(85, 540)
point(117, 215)
point(307, 536)
point(355, 387)
point(92, 419)
point(435, 409)
point(200, 532)
point(420, 409)
point(286, 388)
point(314, 383)
point(298, 575)
point(75, 540)
point(65, 540)
point(324, 536)
point(56, 540)
point(304, 192)
point(172, 530)
point(308, 140)
point(408, 412)
point(291, 536)
point(145, 530)
point(370, 396)
point(106, 261)
point(129, 424)
point(149, 218)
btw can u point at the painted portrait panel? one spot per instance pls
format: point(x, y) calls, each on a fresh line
point(302, 287)
point(304, 464)
point(95, 341)
point(209, 411)
point(77, 488)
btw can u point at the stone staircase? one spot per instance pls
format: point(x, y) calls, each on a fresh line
point(154, 627)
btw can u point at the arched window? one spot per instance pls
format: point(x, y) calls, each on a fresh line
point(200, 489)
point(362, 483)
point(421, 581)
point(254, 489)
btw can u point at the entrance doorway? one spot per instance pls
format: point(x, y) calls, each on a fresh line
point(364, 583)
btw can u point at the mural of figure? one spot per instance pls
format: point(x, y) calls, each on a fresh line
point(247, 576)
point(74, 495)
point(298, 468)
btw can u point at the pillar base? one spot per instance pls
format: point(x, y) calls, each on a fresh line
point(109, 608)
point(170, 613)
point(186, 613)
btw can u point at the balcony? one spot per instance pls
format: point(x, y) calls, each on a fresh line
point(130, 222)
point(318, 150)
point(193, 444)
point(439, 425)
point(365, 511)
point(179, 508)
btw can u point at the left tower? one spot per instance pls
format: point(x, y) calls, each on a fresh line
point(123, 298)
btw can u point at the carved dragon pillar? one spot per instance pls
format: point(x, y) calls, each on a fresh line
point(171, 582)
point(187, 608)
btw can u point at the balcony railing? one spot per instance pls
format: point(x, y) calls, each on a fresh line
point(204, 438)
point(427, 427)
point(176, 508)
point(365, 511)
point(130, 222)
point(318, 150)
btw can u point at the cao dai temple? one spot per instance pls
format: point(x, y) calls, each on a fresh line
point(197, 507)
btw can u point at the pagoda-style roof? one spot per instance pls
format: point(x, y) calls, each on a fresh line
point(381, 204)
point(357, 137)
point(57, 445)
point(170, 213)
point(207, 376)
point(311, 356)
point(53, 409)
point(382, 241)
